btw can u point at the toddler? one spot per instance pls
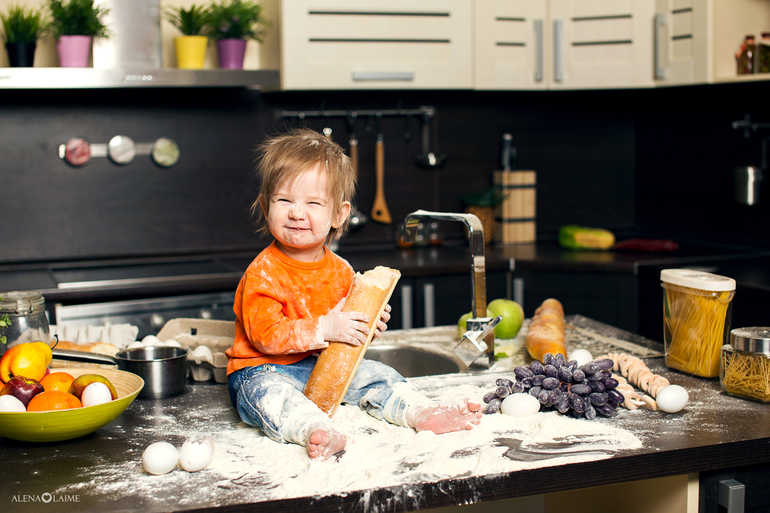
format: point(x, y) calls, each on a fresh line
point(288, 307)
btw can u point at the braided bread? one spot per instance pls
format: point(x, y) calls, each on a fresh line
point(637, 373)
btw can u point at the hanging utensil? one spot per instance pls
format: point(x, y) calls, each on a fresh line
point(357, 218)
point(427, 159)
point(380, 211)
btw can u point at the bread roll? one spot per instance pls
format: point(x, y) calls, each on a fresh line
point(546, 331)
point(337, 364)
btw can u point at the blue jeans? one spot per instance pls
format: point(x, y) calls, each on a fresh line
point(270, 397)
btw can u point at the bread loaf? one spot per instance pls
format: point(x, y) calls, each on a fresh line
point(337, 364)
point(546, 331)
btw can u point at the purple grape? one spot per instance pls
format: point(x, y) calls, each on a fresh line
point(536, 367)
point(604, 363)
point(578, 375)
point(527, 382)
point(543, 397)
point(493, 406)
point(609, 383)
point(537, 380)
point(615, 396)
point(547, 359)
point(550, 383)
point(596, 386)
point(559, 360)
point(576, 403)
point(489, 396)
point(598, 399)
point(590, 368)
point(605, 410)
point(522, 372)
point(504, 382)
point(502, 392)
point(572, 365)
point(551, 371)
point(565, 374)
point(518, 387)
point(581, 389)
point(562, 406)
point(590, 413)
point(535, 391)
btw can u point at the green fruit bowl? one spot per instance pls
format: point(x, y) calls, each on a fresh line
point(55, 426)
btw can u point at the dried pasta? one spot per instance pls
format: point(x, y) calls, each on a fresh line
point(747, 375)
point(695, 329)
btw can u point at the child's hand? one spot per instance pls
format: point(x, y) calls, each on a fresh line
point(382, 324)
point(349, 327)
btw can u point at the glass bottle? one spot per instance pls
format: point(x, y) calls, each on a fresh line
point(26, 313)
point(744, 56)
point(763, 54)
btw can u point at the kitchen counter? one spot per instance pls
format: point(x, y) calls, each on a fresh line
point(503, 458)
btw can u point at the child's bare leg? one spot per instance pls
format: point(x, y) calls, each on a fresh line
point(324, 441)
point(445, 418)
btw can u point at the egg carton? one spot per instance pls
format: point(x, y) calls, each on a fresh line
point(119, 335)
point(207, 341)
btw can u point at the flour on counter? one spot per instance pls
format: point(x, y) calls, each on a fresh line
point(378, 454)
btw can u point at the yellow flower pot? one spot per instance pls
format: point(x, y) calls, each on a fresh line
point(190, 51)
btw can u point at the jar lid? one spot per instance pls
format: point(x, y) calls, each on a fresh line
point(23, 301)
point(697, 280)
point(754, 340)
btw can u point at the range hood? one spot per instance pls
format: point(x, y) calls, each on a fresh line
point(131, 57)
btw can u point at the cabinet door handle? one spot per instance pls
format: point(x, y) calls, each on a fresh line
point(558, 74)
point(538, 50)
point(660, 22)
point(406, 307)
point(430, 305)
point(368, 76)
point(518, 291)
point(732, 495)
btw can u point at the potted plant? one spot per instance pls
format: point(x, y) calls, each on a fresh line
point(482, 205)
point(192, 23)
point(74, 24)
point(232, 23)
point(21, 29)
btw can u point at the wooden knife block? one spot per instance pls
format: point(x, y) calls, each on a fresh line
point(515, 217)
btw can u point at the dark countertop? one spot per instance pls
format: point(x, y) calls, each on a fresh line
point(103, 470)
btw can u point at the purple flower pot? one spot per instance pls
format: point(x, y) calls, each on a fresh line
point(74, 51)
point(231, 53)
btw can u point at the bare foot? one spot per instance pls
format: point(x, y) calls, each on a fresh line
point(324, 442)
point(447, 418)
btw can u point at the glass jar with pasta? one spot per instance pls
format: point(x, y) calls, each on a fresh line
point(745, 370)
point(697, 308)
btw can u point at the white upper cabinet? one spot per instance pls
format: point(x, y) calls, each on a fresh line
point(370, 44)
point(696, 40)
point(563, 44)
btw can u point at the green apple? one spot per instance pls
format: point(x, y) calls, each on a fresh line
point(513, 317)
point(461, 329)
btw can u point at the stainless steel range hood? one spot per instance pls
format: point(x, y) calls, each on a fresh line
point(131, 57)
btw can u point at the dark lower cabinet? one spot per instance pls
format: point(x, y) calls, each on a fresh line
point(609, 298)
point(755, 478)
point(440, 300)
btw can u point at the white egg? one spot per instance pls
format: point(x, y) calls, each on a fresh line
point(520, 405)
point(194, 456)
point(95, 393)
point(151, 340)
point(171, 343)
point(134, 344)
point(672, 398)
point(9, 403)
point(581, 356)
point(160, 458)
point(203, 354)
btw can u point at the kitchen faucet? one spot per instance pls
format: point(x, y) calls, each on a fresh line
point(480, 337)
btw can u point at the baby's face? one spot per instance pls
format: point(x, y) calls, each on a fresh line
point(302, 214)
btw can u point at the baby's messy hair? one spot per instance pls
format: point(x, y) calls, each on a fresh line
point(283, 157)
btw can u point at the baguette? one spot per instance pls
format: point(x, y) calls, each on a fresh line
point(546, 331)
point(337, 364)
point(93, 347)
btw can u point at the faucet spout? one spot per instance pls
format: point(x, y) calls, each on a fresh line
point(478, 262)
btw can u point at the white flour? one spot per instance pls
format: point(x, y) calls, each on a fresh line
point(378, 454)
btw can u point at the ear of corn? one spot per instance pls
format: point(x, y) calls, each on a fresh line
point(579, 237)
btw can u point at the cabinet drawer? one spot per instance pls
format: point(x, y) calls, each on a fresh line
point(346, 44)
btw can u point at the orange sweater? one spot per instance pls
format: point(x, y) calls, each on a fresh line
point(277, 306)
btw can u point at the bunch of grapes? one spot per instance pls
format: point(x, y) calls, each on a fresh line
point(583, 391)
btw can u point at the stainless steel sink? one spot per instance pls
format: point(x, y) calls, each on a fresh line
point(413, 361)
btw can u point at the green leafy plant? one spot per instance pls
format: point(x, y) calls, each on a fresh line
point(77, 18)
point(5, 321)
point(488, 198)
point(22, 25)
point(190, 22)
point(237, 19)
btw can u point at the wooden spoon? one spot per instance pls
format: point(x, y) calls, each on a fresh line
point(380, 211)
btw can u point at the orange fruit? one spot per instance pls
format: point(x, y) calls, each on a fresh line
point(60, 381)
point(53, 400)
